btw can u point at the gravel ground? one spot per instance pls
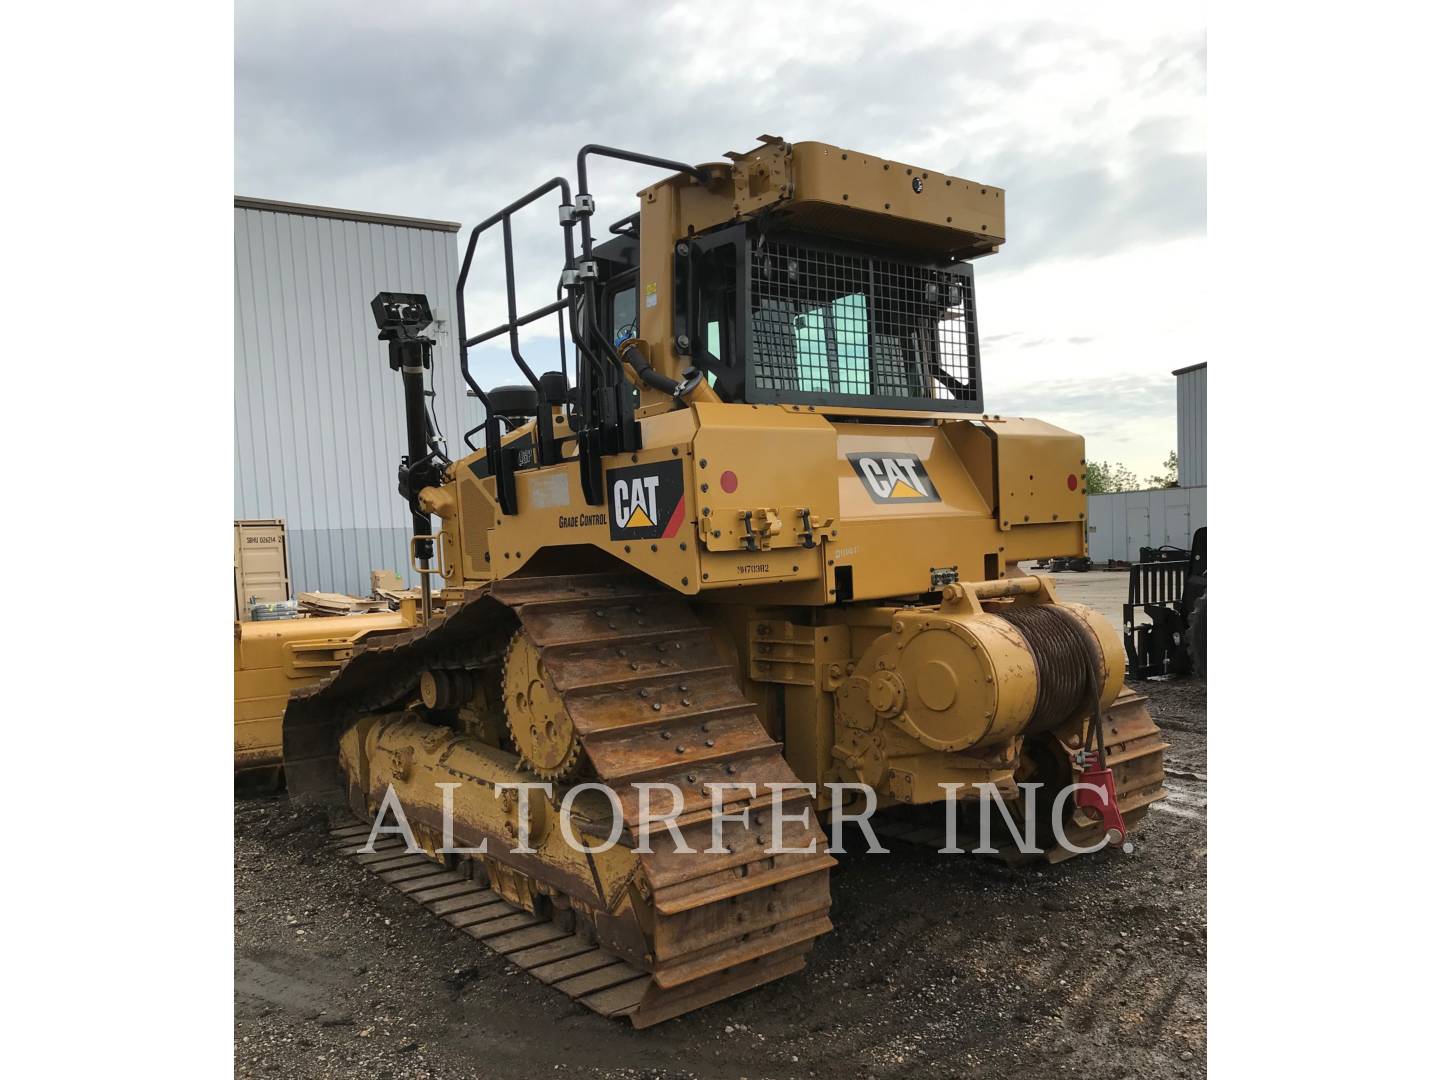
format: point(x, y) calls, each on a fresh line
point(939, 966)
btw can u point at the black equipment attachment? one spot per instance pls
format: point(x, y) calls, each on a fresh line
point(1167, 587)
point(1078, 563)
point(401, 317)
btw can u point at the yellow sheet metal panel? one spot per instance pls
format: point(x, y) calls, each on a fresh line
point(841, 191)
point(826, 189)
point(1038, 471)
point(756, 473)
point(901, 471)
point(275, 657)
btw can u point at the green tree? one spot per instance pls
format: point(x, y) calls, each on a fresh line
point(1170, 474)
point(1102, 477)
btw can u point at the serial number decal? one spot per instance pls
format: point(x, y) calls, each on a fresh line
point(581, 521)
point(753, 568)
point(891, 477)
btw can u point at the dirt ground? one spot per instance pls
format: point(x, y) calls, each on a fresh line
point(938, 966)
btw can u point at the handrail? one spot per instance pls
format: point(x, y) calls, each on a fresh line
point(615, 424)
point(523, 320)
point(626, 226)
point(582, 184)
point(512, 326)
point(606, 349)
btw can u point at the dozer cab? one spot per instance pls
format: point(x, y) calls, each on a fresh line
point(757, 532)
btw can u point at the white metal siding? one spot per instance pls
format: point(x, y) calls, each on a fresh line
point(319, 422)
point(1190, 420)
point(1123, 522)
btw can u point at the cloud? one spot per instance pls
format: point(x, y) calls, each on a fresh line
point(1093, 124)
point(451, 110)
point(1120, 397)
point(1125, 418)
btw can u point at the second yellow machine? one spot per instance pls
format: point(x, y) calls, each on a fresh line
point(762, 532)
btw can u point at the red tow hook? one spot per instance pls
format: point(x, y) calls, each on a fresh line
point(1103, 801)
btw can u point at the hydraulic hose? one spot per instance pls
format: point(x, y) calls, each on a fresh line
point(646, 373)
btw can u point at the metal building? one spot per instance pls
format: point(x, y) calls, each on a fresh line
point(1122, 522)
point(319, 423)
point(1190, 424)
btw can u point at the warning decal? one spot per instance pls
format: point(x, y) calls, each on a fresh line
point(647, 502)
point(892, 477)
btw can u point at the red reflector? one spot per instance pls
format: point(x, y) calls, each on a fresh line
point(1071, 482)
point(728, 481)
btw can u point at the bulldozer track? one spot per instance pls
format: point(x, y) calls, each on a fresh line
point(597, 978)
point(651, 700)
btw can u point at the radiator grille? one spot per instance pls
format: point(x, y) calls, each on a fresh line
point(836, 323)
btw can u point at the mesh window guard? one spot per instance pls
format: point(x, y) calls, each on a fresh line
point(845, 324)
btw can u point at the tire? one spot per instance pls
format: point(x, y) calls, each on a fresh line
point(1197, 636)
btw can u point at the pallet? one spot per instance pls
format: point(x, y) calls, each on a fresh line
point(583, 971)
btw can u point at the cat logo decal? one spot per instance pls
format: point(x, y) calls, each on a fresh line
point(647, 502)
point(891, 477)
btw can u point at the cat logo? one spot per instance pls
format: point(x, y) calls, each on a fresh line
point(647, 502)
point(893, 478)
point(639, 494)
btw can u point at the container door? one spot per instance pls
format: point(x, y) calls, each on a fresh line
point(1137, 530)
point(262, 568)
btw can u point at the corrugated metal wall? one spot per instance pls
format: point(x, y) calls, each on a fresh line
point(319, 421)
point(1190, 420)
point(1123, 522)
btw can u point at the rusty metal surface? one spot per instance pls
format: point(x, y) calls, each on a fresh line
point(653, 701)
point(595, 977)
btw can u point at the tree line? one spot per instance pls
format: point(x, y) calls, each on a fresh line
point(1102, 477)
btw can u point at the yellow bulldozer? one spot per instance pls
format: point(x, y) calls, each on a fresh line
point(273, 658)
point(757, 548)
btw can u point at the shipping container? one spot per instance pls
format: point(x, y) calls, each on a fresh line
point(1122, 522)
point(262, 565)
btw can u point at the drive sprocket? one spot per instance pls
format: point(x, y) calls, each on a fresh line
point(539, 723)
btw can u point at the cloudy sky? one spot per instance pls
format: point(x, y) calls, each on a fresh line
point(1094, 126)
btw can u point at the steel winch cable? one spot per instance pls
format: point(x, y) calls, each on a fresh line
point(1065, 664)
